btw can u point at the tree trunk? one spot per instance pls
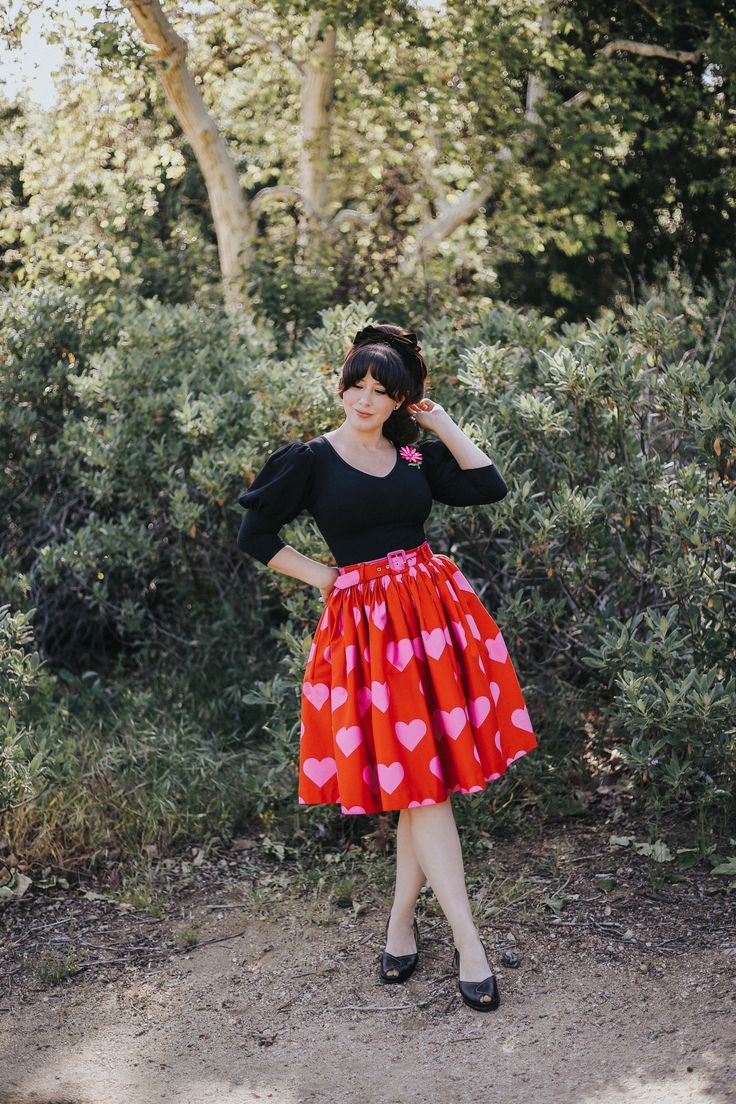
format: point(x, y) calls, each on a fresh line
point(318, 79)
point(230, 211)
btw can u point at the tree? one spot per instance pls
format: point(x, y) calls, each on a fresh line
point(560, 146)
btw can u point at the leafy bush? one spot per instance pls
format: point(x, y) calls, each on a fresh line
point(20, 676)
point(176, 663)
point(609, 565)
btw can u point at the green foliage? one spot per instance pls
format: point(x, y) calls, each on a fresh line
point(625, 164)
point(609, 565)
point(21, 676)
point(169, 701)
point(128, 767)
point(53, 968)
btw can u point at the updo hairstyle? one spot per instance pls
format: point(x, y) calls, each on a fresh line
point(393, 356)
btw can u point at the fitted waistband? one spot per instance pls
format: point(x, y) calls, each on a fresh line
point(393, 563)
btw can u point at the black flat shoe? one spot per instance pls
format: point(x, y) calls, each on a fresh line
point(405, 964)
point(472, 991)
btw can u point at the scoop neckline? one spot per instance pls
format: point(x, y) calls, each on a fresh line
point(360, 470)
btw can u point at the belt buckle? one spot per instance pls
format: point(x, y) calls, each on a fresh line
point(393, 563)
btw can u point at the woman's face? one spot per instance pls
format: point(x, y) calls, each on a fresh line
point(367, 403)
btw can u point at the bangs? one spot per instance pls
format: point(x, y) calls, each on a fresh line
point(386, 366)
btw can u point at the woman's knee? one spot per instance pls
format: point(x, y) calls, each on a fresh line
point(417, 810)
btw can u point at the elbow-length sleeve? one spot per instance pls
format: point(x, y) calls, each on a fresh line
point(456, 486)
point(278, 494)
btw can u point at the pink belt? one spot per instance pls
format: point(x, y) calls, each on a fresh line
point(393, 563)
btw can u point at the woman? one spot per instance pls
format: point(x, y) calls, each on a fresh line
point(409, 693)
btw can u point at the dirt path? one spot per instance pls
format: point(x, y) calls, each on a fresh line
point(624, 995)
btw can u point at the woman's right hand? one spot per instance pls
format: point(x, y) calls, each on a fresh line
point(328, 588)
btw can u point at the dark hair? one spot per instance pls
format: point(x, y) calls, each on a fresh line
point(393, 357)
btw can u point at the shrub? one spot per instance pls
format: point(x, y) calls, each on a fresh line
point(172, 665)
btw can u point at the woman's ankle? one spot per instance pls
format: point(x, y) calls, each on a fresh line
point(467, 939)
point(402, 918)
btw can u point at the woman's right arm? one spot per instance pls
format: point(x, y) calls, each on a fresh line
point(290, 562)
point(277, 495)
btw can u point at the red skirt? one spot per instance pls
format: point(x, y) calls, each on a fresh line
point(409, 692)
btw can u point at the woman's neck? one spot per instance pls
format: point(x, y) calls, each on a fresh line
point(371, 440)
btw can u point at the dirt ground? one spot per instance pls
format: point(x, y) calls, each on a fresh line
point(624, 992)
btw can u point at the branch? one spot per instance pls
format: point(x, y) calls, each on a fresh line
point(648, 11)
point(349, 214)
point(277, 191)
point(641, 49)
point(465, 206)
point(276, 49)
point(535, 87)
point(650, 49)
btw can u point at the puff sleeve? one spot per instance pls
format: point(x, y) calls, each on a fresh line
point(458, 486)
point(278, 494)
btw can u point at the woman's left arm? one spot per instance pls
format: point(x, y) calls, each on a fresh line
point(430, 415)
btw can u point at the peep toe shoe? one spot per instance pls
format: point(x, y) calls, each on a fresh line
point(404, 964)
point(472, 991)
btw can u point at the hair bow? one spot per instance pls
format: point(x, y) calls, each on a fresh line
point(400, 342)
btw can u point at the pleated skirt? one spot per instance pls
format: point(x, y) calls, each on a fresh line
point(409, 692)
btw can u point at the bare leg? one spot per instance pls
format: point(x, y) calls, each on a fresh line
point(409, 880)
point(438, 850)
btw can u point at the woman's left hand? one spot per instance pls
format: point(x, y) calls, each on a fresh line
point(427, 413)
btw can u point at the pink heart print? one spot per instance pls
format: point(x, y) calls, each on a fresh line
point(520, 719)
point(479, 709)
point(364, 699)
point(320, 771)
point(370, 779)
point(338, 697)
point(453, 721)
point(399, 652)
point(497, 649)
point(347, 579)
point(409, 733)
point(379, 694)
point(434, 642)
point(462, 583)
point(436, 768)
point(473, 626)
point(317, 693)
point(390, 775)
point(379, 615)
point(348, 739)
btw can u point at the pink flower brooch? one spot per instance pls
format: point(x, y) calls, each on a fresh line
point(411, 455)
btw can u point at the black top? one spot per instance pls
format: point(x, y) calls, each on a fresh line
point(360, 516)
